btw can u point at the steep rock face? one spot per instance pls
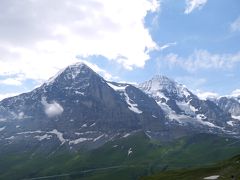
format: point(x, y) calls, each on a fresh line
point(231, 105)
point(152, 117)
point(80, 92)
point(76, 108)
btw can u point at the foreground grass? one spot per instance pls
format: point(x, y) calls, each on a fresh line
point(226, 170)
point(112, 161)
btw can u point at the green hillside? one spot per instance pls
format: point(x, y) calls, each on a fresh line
point(229, 169)
point(127, 158)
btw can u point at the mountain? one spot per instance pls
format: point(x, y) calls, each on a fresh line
point(181, 106)
point(77, 109)
point(230, 104)
point(78, 123)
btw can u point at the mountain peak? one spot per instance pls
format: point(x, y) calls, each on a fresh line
point(78, 65)
point(71, 72)
point(158, 82)
point(162, 79)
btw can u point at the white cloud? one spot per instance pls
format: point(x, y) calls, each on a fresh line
point(52, 109)
point(99, 70)
point(235, 26)
point(37, 38)
point(191, 81)
point(194, 4)
point(202, 59)
point(236, 93)
point(165, 46)
point(206, 95)
point(11, 81)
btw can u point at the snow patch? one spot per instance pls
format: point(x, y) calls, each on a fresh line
point(183, 90)
point(161, 95)
point(59, 135)
point(84, 125)
point(79, 140)
point(193, 108)
point(10, 138)
point(132, 106)
point(212, 177)
point(236, 117)
point(201, 116)
point(92, 124)
point(52, 109)
point(165, 108)
point(186, 107)
point(21, 115)
point(80, 93)
point(3, 119)
point(126, 135)
point(2, 128)
point(117, 88)
point(230, 123)
point(172, 114)
point(99, 137)
point(45, 136)
point(82, 133)
point(130, 151)
point(185, 93)
point(30, 132)
point(150, 137)
point(206, 123)
point(178, 117)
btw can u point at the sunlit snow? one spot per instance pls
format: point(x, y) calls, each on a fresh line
point(212, 177)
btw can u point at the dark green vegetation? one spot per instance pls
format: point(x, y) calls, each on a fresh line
point(228, 169)
point(112, 161)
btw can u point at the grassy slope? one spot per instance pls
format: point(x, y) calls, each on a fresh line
point(226, 170)
point(148, 157)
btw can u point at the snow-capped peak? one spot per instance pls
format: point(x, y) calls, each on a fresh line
point(165, 85)
point(157, 83)
point(71, 72)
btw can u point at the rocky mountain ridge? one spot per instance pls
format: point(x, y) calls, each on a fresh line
point(78, 109)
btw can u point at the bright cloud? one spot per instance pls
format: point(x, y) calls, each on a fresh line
point(165, 46)
point(37, 38)
point(11, 81)
point(235, 26)
point(202, 59)
point(99, 70)
point(236, 93)
point(206, 95)
point(52, 109)
point(194, 4)
point(191, 81)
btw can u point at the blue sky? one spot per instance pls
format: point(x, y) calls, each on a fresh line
point(195, 42)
